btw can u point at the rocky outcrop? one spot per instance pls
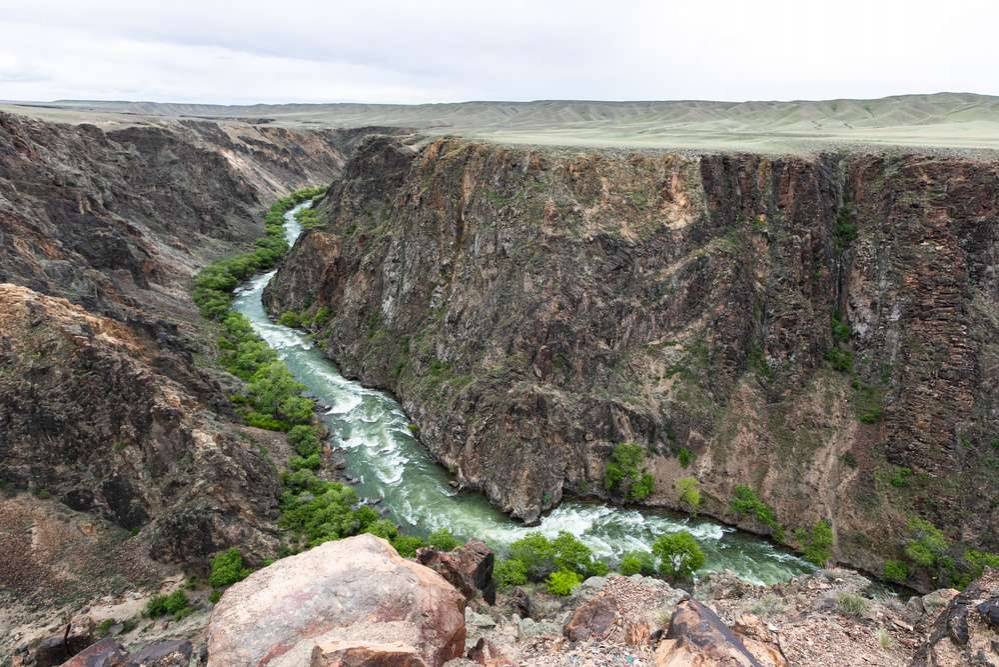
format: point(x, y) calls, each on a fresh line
point(967, 630)
point(532, 308)
point(339, 604)
point(626, 610)
point(469, 568)
point(90, 416)
point(698, 637)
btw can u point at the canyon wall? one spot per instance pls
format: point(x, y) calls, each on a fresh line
point(816, 328)
point(109, 403)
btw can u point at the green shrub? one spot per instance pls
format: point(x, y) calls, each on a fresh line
point(572, 554)
point(896, 570)
point(383, 528)
point(537, 554)
point(290, 318)
point(637, 562)
point(509, 573)
point(305, 439)
point(161, 605)
point(407, 545)
point(851, 604)
point(840, 329)
point(746, 502)
point(104, 627)
point(840, 359)
point(927, 544)
point(817, 543)
point(563, 582)
point(542, 556)
point(322, 317)
point(227, 569)
point(623, 474)
point(679, 555)
point(215, 597)
point(443, 540)
point(686, 457)
point(689, 493)
point(900, 477)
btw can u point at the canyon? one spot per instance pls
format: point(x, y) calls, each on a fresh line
point(816, 327)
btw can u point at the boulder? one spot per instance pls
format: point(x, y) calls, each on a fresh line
point(485, 653)
point(347, 594)
point(105, 653)
point(967, 630)
point(626, 610)
point(469, 568)
point(760, 640)
point(365, 654)
point(698, 638)
point(592, 620)
point(165, 653)
point(59, 647)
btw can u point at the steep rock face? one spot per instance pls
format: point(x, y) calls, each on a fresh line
point(532, 309)
point(102, 403)
point(88, 416)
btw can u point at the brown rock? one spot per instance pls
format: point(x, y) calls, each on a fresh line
point(59, 647)
point(592, 620)
point(760, 640)
point(967, 630)
point(698, 638)
point(625, 610)
point(166, 653)
point(105, 653)
point(357, 590)
point(469, 568)
point(485, 653)
point(365, 654)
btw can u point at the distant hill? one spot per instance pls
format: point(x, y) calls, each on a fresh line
point(943, 120)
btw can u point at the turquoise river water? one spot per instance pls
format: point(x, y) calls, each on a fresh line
point(391, 465)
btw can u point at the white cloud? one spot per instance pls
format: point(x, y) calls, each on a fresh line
point(381, 51)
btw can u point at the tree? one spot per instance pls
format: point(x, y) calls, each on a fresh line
point(679, 555)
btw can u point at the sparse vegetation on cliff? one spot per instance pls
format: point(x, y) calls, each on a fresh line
point(688, 490)
point(816, 543)
point(624, 474)
point(747, 503)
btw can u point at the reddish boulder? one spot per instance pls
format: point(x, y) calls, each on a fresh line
point(105, 653)
point(469, 568)
point(698, 638)
point(365, 654)
point(592, 620)
point(357, 591)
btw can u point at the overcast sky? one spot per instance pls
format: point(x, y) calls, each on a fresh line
point(383, 51)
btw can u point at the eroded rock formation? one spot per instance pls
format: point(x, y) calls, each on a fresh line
point(809, 326)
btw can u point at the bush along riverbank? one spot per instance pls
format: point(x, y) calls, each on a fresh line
point(313, 510)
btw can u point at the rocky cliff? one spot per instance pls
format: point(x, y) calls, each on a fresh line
point(822, 329)
point(103, 405)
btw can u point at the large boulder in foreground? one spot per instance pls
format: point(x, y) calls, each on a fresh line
point(342, 596)
point(967, 630)
point(698, 638)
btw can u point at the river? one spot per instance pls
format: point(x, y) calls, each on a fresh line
point(391, 465)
